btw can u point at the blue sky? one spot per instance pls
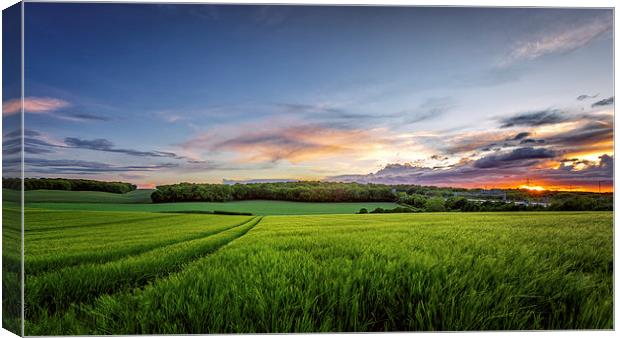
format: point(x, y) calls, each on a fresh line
point(157, 94)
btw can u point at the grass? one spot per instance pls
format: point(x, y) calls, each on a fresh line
point(49, 291)
point(11, 265)
point(255, 207)
point(57, 239)
point(319, 273)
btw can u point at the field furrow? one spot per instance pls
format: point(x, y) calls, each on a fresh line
point(56, 291)
point(71, 247)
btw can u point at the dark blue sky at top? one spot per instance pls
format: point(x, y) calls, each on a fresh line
point(158, 77)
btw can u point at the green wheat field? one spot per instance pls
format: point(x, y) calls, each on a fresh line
point(125, 270)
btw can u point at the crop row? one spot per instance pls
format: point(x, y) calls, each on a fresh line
point(55, 291)
point(67, 247)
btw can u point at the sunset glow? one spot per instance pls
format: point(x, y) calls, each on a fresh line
point(245, 104)
point(532, 187)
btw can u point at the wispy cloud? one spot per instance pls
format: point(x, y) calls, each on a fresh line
point(271, 141)
point(63, 166)
point(80, 117)
point(295, 143)
point(108, 146)
point(470, 141)
point(48, 106)
point(37, 105)
point(430, 109)
point(297, 108)
point(583, 97)
point(562, 39)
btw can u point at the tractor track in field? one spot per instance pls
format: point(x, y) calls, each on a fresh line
point(51, 297)
point(50, 229)
point(38, 271)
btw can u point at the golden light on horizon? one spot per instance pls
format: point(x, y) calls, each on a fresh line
point(532, 187)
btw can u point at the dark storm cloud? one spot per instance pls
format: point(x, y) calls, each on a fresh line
point(535, 118)
point(517, 155)
point(605, 102)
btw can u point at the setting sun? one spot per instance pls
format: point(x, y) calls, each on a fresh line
point(532, 187)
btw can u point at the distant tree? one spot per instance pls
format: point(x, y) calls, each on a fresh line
point(435, 204)
point(455, 203)
point(68, 184)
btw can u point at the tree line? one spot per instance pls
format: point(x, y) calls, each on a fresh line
point(557, 202)
point(68, 184)
point(309, 191)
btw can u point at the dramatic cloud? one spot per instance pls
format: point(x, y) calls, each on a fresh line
point(594, 132)
point(535, 118)
point(507, 159)
point(37, 105)
point(464, 174)
point(563, 39)
point(605, 102)
point(586, 96)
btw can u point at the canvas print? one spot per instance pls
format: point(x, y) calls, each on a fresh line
point(203, 168)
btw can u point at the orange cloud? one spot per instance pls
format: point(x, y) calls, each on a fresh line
point(40, 105)
point(300, 143)
point(294, 142)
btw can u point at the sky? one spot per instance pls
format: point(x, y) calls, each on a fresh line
point(469, 97)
